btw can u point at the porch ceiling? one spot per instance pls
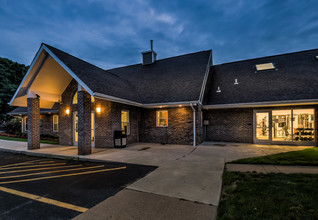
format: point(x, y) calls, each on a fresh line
point(47, 78)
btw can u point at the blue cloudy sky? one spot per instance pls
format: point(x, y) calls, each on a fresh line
point(111, 33)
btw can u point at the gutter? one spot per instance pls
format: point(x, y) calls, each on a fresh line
point(263, 104)
point(194, 130)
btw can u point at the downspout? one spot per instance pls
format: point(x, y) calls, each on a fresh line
point(194, 130)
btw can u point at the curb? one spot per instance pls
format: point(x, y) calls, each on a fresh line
point(75, 158)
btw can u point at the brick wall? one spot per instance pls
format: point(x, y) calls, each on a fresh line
point(33, 123)
point(199, 125)
point(236, 125)
point(179, 130)
point(65, 121)
point(105, 122)
point(109, 120)
point(84, 123)
point(232, 125)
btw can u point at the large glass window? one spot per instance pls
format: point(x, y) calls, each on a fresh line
point(26, 124)
point(262, 126)
point(281, 125)
point(74, 101)
point(55, 122)
point(304, 125)
point(162, 118)
point(289, 125)
point(92, 127)
point(125, 121)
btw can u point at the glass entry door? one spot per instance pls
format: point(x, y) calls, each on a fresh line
point(75, 129)
point(262, 127)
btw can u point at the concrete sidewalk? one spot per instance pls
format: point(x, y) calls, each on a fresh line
point(272, 168)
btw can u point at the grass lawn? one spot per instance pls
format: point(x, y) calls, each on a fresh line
point(25, 140)
point(268, 196)
point(302, 157)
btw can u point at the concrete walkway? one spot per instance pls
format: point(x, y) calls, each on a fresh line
point(184, 172)
point(271, 168)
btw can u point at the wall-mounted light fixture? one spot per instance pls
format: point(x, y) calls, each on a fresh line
point(180, 105)
point(98, 110)
point(67, 111)
point(236, 82)
point(219, 90)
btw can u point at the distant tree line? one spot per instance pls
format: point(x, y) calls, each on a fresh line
point(11, 75)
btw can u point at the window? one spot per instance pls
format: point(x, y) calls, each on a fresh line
point(288, 125)
point(162, 118)
point(282, 125)
point(125, 127)
point(55, 122)
point(75, 98)
point(41, 122)
point(26, 124)
point(265, 66)
point(304, 124)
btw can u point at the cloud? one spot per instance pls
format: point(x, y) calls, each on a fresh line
point(113, 33)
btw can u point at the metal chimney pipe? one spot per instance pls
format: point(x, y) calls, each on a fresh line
point(151, 44)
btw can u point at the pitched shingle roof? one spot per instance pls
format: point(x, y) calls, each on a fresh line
point(173, 79)
point(96, 78)
point(295, 78)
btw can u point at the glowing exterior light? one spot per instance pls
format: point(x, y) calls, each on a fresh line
point(98, 110)
point(236, 82)
point(67, 111)
point(180, 105)
point(219, 90)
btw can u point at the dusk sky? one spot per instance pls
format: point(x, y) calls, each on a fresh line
point(112, 33)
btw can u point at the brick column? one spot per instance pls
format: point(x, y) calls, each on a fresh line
point(84, 122)
point(33, 123)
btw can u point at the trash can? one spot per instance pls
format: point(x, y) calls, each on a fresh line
point(120, 139)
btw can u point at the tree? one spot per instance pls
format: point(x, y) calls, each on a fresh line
point(11, 75)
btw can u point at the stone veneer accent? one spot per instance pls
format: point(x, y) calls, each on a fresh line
point(33, 123)
point(84, 123)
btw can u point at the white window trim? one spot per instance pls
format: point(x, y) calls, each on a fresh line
point(161, 126)
point(57, 123)
point(121, 122)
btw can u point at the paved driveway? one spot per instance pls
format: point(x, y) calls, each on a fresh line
point(44, 188)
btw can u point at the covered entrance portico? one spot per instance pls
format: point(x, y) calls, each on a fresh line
point(42, 87)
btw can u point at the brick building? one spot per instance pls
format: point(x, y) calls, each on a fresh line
point(178, 100)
